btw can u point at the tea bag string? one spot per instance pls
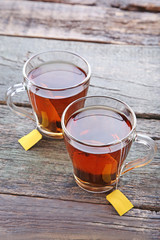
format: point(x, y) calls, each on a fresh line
point(119, 165)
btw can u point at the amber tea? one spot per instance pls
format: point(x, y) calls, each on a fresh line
point(52, 80)
point(97, 127)
point(52, 91)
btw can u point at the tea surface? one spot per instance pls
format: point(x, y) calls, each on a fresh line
point(57, 75)
point(98, 126)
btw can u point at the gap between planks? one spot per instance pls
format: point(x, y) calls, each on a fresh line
point(147, 208)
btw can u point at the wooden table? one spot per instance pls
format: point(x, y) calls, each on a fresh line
point(39, 198)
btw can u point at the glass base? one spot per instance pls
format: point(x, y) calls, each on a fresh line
point(91, 188)
point(48, 134)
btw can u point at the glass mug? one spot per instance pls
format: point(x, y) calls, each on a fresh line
point(52, 80)
point(98, 133)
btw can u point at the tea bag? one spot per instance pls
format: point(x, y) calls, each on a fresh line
point(119, 201)
point(30, 139)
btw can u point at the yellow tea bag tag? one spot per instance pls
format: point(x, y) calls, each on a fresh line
point(119, 201)
point(30, 139)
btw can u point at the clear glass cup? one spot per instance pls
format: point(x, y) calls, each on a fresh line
point(98, 133)
point(52, 80)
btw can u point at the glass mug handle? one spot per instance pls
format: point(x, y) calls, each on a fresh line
point(150, 144)
point(17, 88)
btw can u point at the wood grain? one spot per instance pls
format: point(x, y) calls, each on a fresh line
point(136, 5)
point(46, 170)
point(78, 22)
point(57, 219)
point(130, 73)
point(79, 2)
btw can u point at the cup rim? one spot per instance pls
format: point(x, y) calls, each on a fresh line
point(57, 51)
point(64, 129)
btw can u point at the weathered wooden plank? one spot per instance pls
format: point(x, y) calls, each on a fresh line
point(130, 5)
point(37, 218)
point(77, 22)
point(46, 171)
point(130, 73)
